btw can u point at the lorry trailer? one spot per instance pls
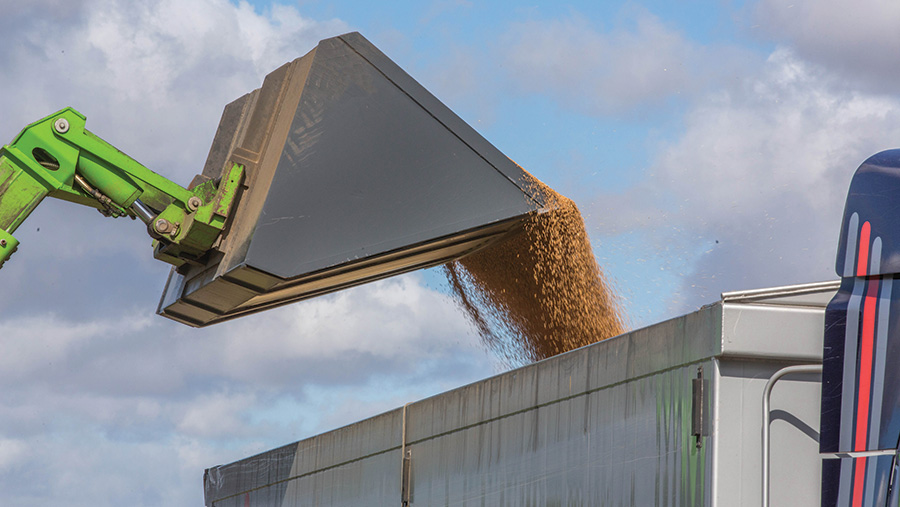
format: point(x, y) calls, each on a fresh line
point(668, 415)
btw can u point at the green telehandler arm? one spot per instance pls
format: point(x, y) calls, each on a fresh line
point(58, 157)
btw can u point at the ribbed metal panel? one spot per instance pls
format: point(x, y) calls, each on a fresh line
point(613, 424)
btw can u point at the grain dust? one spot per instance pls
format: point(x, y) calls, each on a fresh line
point(541, 292)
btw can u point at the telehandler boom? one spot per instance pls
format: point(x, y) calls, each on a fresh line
point(58, 157)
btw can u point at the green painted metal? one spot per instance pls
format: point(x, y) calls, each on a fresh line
point(20, 193)
point(58, 157)
point(196, 232)
point(8, 246)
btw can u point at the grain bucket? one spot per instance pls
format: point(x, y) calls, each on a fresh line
point(354, 172)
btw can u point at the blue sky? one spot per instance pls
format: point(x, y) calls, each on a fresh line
point(708, 145)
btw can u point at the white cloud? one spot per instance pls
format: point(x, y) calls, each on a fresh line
point(155, 76)
point(89, 469)
point(107, 400)
point(340, 338)
point(639, 65)
point(751, 195)
point(346, 338)
point(12, 452)
point(156, 391)
point(217, 415)
point(858, 39)
point(34, 342)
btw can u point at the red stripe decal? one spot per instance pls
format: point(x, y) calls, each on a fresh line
point(862, 263)
point(866, 346)
point(866, 349)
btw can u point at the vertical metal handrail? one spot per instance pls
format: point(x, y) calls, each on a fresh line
point(767, 394)
point(404, 462)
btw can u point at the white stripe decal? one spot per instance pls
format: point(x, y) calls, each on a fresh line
point(871, 472)
point(845, 490)
point(850, 255)
point(881, 340)
point(875, 257)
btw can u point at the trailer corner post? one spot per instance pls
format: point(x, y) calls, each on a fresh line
point(767, 399)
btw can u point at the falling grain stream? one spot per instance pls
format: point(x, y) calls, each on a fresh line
point(541, 292)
